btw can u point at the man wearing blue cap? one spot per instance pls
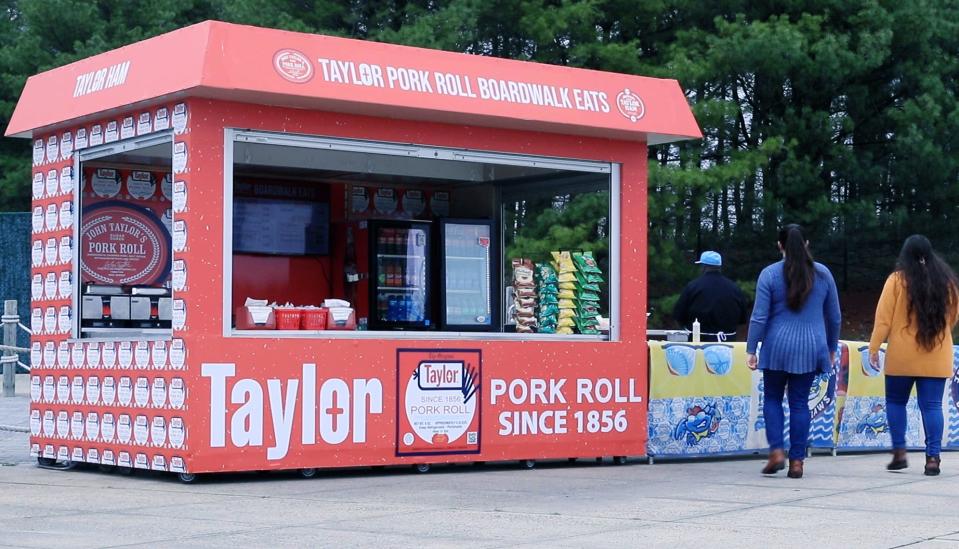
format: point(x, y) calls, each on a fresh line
point(714, 300)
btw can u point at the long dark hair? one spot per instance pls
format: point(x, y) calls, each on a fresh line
point(931, 286)
point(799, 269)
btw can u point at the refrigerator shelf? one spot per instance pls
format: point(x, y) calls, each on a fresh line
point(400, 256)
point(474, 292)
point(400, 288)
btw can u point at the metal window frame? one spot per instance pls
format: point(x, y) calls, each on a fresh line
point(79, 157)
point(233, 135)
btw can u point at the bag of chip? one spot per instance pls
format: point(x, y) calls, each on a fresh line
point(594, 278)
point(545, 274)
point(566, 294)
point(568, 286)
point(548, 310)
point(565, 323)
point(525, 292)
point(548, 288)
point(523, 273)
point(548, 299)
point(563, 262)
point(587, 310)
point(588, 296)
point(567, 304)
point(565, 330)
point(584, 262)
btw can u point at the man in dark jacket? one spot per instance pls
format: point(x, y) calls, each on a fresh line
point(713, 299)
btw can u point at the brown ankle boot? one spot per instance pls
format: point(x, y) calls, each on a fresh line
point(776, 463)
point(932, 466)
point(795, 468)
point(898, 462)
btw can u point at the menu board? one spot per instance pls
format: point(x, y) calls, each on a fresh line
point(280, 227)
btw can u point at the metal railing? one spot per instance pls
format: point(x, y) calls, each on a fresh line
point(10, 358)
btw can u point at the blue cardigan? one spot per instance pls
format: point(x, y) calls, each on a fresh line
point(796, 342)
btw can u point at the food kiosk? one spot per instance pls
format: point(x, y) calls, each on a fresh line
point(263, 250)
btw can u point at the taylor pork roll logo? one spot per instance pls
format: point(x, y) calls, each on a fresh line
point(124, 244)
point(630, 105)
point(440, 402)
point(293, 66)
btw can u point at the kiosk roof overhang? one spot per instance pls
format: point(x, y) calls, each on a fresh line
point(272, 67)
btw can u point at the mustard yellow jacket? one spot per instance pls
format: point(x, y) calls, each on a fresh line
point(904, 356)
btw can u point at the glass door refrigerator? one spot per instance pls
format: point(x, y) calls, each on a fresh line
point(466, 266)
point(400, 275)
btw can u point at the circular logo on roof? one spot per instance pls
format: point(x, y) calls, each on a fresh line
point(630, 105)
point(293, 65)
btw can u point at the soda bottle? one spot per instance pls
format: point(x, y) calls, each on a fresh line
point(382, 306)
point(384, 242)
point(391, 309)
point(381, 241)
point(391, 242)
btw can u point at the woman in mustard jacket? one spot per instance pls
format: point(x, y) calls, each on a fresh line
point(916, 313)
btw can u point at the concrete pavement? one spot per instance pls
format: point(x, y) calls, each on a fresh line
point(845, 501)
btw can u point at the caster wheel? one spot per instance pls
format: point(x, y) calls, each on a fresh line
point(187, 478)
point(422, 467)
point(309, 472)
point(46, 462)
point(528, 463)
point(619, 460)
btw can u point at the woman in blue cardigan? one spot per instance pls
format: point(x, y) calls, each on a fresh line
point(796, 319)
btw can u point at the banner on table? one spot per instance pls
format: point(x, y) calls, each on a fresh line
point(700, 400)
point(700, 404)
point(952, 404)
point(862, 424)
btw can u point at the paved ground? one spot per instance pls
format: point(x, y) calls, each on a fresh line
point(849, 501)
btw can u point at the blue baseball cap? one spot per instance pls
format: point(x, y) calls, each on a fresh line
point(710, 257)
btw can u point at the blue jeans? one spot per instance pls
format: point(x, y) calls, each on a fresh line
point(774, 388)
point(929, 390)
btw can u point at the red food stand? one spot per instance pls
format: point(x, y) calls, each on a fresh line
point(187, 188)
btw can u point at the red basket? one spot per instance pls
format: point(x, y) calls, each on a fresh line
point(313, 319)
point(287, 319)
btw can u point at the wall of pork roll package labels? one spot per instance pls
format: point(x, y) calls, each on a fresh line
point(116, 402)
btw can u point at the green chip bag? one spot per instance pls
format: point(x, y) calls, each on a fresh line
point(584, 262)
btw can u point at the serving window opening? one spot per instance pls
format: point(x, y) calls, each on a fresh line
point(356, 238)
point(123, 270)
